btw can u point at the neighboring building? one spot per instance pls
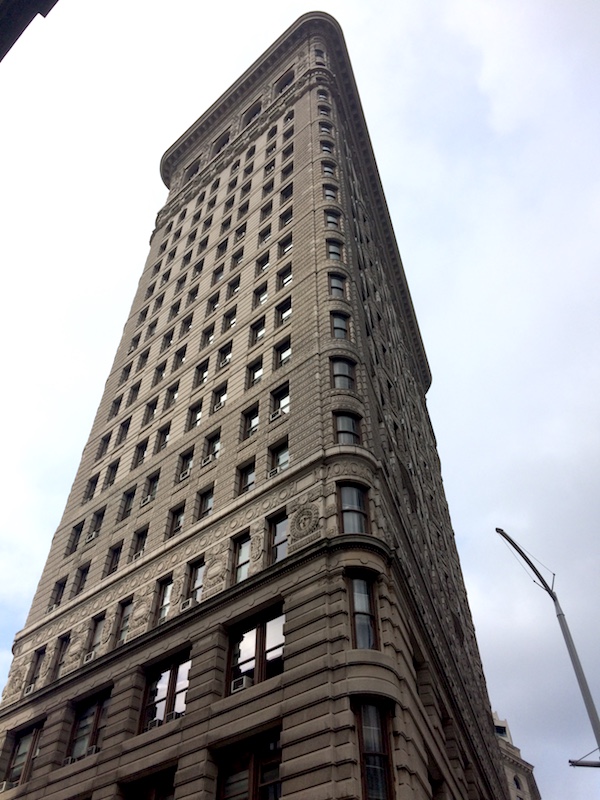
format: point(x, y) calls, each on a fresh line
point(15, 16)
point(519, 773)
point(254, 591)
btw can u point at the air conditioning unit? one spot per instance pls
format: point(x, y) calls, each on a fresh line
point(89, 657)
point(68, 760)
point(91, 536)
point(137, 555)
point(206, 460)
point(5, 785)
point(154, 723)
point(52, 608)
point(91, 751)
point(256, 380)
point(243, 682)
point(274, 415)
point(122, 641)
point(29, 689)
point(274, 471)
point(284, 361)
point(189, 603)
point(252, 431)
point(223, 362)
point(185, 474)
point(146, 500)
point(173, 715)
point(218, 406)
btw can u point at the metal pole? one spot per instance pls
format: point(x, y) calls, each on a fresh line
point(581, 679)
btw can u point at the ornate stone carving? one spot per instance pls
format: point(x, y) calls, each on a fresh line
point(256, 547)
point(304, 522)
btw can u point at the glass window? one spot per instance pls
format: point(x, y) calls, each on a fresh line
point(374, 752)
point(166, 692)
point(25, 750)
point(257, 651)
point(342, 373)
point(353, 508)
point(278, 536)
point(364, 629)
point(88, 729)
point(347, 429)
point(241, 558)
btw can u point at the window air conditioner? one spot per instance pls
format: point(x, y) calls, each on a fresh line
point(184, 474)
point(274, 471)
point(206, 460)
point(274, 415)
point(91, 751)
point(243, 682)
point(218, 406)
point(154, 723)
point(189, 603)
point(91, 536)
point(173, 715)
point(223, 362)
point(68, 760)
point(52, 607)
point(146, 500)
point(89, 657)
point(29, 689)
point(137, 555)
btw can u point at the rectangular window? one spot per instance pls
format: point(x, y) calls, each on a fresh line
point(165, 589)
point(229, 319)
point(208, 336)
point(95, 639)
point(151, 487)
point(250, 422)
point(205, 503)
point(90, 488)
point(162, 438)
point(57, 594)
point(125, 612)
point(159, 373)
point(339, 325)
point(347, 428)
point(186, 462)
point(283, 353)
point(139, 543)
point(60, 656)
point(233, 287)
point(195, 581)
point(224, 357)
point(246, 478)
point(241, 558)
point(167, 340)
point(171, 395)
point(364, 627)
point(150, 411)
point(280, 401)
point(213, 446)
point(88, 728)
point(126, 505)
point(139, 454)
point(186, 325)
point(212, 304)
point(219, 397)
point(114, 556)
point(285, 246)
point(286, 217)
point(80, 579)
point(262, 264)
point(279, 457)
point(24, 753)
point(257, 650)
point(143, 360)
point(286, 193)
point(264, 235)
point(353, 501)
point(134, 393)
point(250, 771)
point(74, 538)
point(374, 752)
point(342, 372)
point(278, 538)
point(284, 277)
point(179, 358)
point(175, 521)
point(200, 374)
point(283, 312)
point(257, 331)
point(115, 406)
point(255, 372)
point(194, 416)
point(166, 693)
point(337, 285)
point(103, 446)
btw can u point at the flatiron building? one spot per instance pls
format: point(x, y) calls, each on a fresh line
point(254, 590)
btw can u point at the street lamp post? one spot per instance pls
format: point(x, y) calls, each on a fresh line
point(581, 679)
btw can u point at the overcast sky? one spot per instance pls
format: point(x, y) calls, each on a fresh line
point(485, 119)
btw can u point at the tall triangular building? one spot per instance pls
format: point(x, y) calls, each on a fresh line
point(254, 591)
